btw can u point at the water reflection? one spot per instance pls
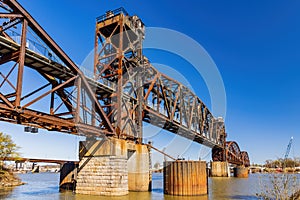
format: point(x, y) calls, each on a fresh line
point(45, 186)
point(233, 188)
point(5, 192)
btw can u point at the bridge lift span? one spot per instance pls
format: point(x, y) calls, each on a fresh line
point(124, 91)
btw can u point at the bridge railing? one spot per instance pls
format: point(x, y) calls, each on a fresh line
point(37, 47)
point(111, 13)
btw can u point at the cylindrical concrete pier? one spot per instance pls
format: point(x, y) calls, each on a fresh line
point(185, 178)
point(241, 172)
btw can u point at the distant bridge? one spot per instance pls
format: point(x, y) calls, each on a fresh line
point(123, 91)
point(38, 160)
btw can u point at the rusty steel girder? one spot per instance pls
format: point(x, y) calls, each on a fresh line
point(156, 98)
point(123, 91)
point(65, 86)
point(245, 158)
point(143, 93)
point(231, 153)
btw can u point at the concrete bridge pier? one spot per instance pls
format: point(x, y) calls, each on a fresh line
point(18, 166)
point(220, 169)
point(138, 168)
point(102, 168)
point(241, 172)
point(68, 176)
point(110, 167)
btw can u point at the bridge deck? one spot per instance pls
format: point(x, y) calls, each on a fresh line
point(39, 160)
point(102, 105)
point(44, 65)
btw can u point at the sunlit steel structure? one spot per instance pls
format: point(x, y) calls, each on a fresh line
point(122, 91)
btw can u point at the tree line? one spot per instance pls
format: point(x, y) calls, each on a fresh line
point(279, 163)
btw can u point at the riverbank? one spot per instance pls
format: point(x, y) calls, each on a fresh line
point(274, 170)
point(8, 179)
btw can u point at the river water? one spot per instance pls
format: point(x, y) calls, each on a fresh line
point(45, 186)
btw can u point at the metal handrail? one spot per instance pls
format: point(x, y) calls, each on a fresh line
point(36, 47)
point(110, 14)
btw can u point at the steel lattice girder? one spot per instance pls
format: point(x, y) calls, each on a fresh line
point(231, 153)
point(124, 90)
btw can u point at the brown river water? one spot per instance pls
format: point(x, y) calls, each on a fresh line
point(45, 186)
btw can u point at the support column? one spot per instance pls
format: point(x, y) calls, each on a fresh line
point(68, 176)
point(21, 64)
point(219, 169)
point(138, 168)
point(103, 168)
point(185, 178)
point(241, 172)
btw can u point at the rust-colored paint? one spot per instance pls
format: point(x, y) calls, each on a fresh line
point(163, 101)
point(231, 153)
point(241, 172)
point(219, 169)
point(185, 178)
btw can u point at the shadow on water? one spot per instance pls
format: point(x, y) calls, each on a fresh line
point(158, 190)
point(40, 192)
point(53, 188)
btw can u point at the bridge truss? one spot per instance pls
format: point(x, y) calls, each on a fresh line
point(123, 91)
point(231, 153)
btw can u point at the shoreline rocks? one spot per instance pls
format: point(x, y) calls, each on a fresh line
point(8, 179)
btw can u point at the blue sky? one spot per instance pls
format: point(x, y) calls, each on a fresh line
point(255, 45)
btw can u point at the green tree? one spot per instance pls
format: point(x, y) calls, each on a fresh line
point(282, 163)
point(8, 149)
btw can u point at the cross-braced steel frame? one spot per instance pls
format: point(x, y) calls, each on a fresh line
point(124, 90)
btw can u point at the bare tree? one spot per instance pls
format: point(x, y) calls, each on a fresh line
point(279, 186)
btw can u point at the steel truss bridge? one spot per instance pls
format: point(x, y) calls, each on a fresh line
point(122, 90)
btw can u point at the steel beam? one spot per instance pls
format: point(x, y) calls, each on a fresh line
point(21, 64)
